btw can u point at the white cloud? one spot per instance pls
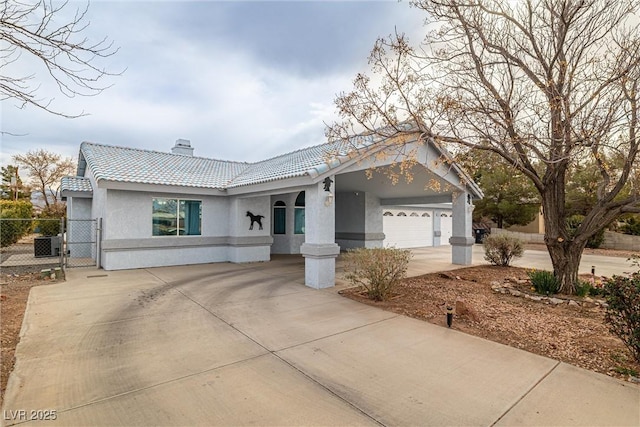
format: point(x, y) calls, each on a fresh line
point(199, 85)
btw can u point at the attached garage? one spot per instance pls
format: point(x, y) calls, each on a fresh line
point(407, 228)
point(446, 227)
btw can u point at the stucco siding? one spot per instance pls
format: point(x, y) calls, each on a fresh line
point(161, 257)
point(80, 233)
point(99, 199)
point(225, 233)
point(129, 214)
point(79, 208)
point(288, 243)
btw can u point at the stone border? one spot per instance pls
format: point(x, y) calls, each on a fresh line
point(506, 287)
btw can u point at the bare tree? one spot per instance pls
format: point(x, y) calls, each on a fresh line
point(545, 84)
point(46, 169)
point(39, 30)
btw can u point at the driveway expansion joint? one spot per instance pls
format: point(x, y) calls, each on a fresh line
point(292, 366)
point(526, 393)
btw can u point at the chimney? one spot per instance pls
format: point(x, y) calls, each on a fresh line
point(183, 146)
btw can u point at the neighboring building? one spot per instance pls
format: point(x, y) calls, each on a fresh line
point(535, 227)
point(161, 209)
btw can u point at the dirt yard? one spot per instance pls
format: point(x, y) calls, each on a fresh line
point(575, 333)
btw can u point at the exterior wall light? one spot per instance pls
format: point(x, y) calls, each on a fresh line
point(328, 200)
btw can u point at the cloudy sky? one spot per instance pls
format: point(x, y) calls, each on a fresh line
point(242, 80)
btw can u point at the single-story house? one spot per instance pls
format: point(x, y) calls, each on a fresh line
point(161, 209)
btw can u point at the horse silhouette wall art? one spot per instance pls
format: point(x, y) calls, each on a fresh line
point(254, 219)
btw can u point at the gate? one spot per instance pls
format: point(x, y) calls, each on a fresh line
point(81, 243)
point(30, 245)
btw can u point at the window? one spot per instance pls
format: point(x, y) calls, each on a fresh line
point(279, 217)
point(387, 213)
point(298, 218)
point(426, 214)
point(175, 217)
point(401, 214)
point(413, 214)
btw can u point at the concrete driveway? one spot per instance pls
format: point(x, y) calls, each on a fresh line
point(226, 344)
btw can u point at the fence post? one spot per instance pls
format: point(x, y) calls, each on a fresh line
point(98, 242)
point(62, 245)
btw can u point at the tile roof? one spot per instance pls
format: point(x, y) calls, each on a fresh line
point(133, 165)
point(76, 183)
point(310, 161)
point(123, 164)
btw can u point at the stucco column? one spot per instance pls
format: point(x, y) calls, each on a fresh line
point(462, 224)
point(374, 236)
point(358, 220)
point(319, 249)
point(437, 227)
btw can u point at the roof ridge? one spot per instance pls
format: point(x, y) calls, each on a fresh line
point(143, 150)
point(292, 152)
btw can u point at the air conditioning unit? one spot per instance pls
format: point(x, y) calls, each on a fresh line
point(47, 246)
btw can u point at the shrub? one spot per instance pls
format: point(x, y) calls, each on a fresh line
point(584, 288)
point(378, 270)
point(623, 313)
point(49, 223)
point(631, 225)
point(544, 282)
point(596, 292)
point(501, 249)
point(11, 230)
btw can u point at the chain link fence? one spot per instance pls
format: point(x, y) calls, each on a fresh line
point(30, 245)
point(82, 242)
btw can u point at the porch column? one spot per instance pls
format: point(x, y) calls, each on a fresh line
point(374, 236)
point(319, 249)
point(461, 239)
point(358, 220)
point(437, 227)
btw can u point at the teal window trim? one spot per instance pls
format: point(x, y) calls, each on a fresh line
point(176, 217)
point(279, 218)
point(298, 214)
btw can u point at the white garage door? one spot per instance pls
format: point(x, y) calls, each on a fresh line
point(446, 227)
point(406, 228)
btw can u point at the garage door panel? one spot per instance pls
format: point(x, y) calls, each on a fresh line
point(408, 231)
point(446, 226)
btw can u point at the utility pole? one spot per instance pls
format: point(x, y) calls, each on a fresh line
point(14, 185)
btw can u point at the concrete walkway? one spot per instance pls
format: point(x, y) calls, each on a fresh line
point(226, 344)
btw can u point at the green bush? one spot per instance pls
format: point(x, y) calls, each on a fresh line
point(544, 282)
point(631, 225)
point(584, 288)
point(623, 311)
point(378, 270)
point(49, 219)
point(501, 249)
point(17, 221)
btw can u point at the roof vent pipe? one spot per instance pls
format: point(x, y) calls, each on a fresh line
point(183, 146)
